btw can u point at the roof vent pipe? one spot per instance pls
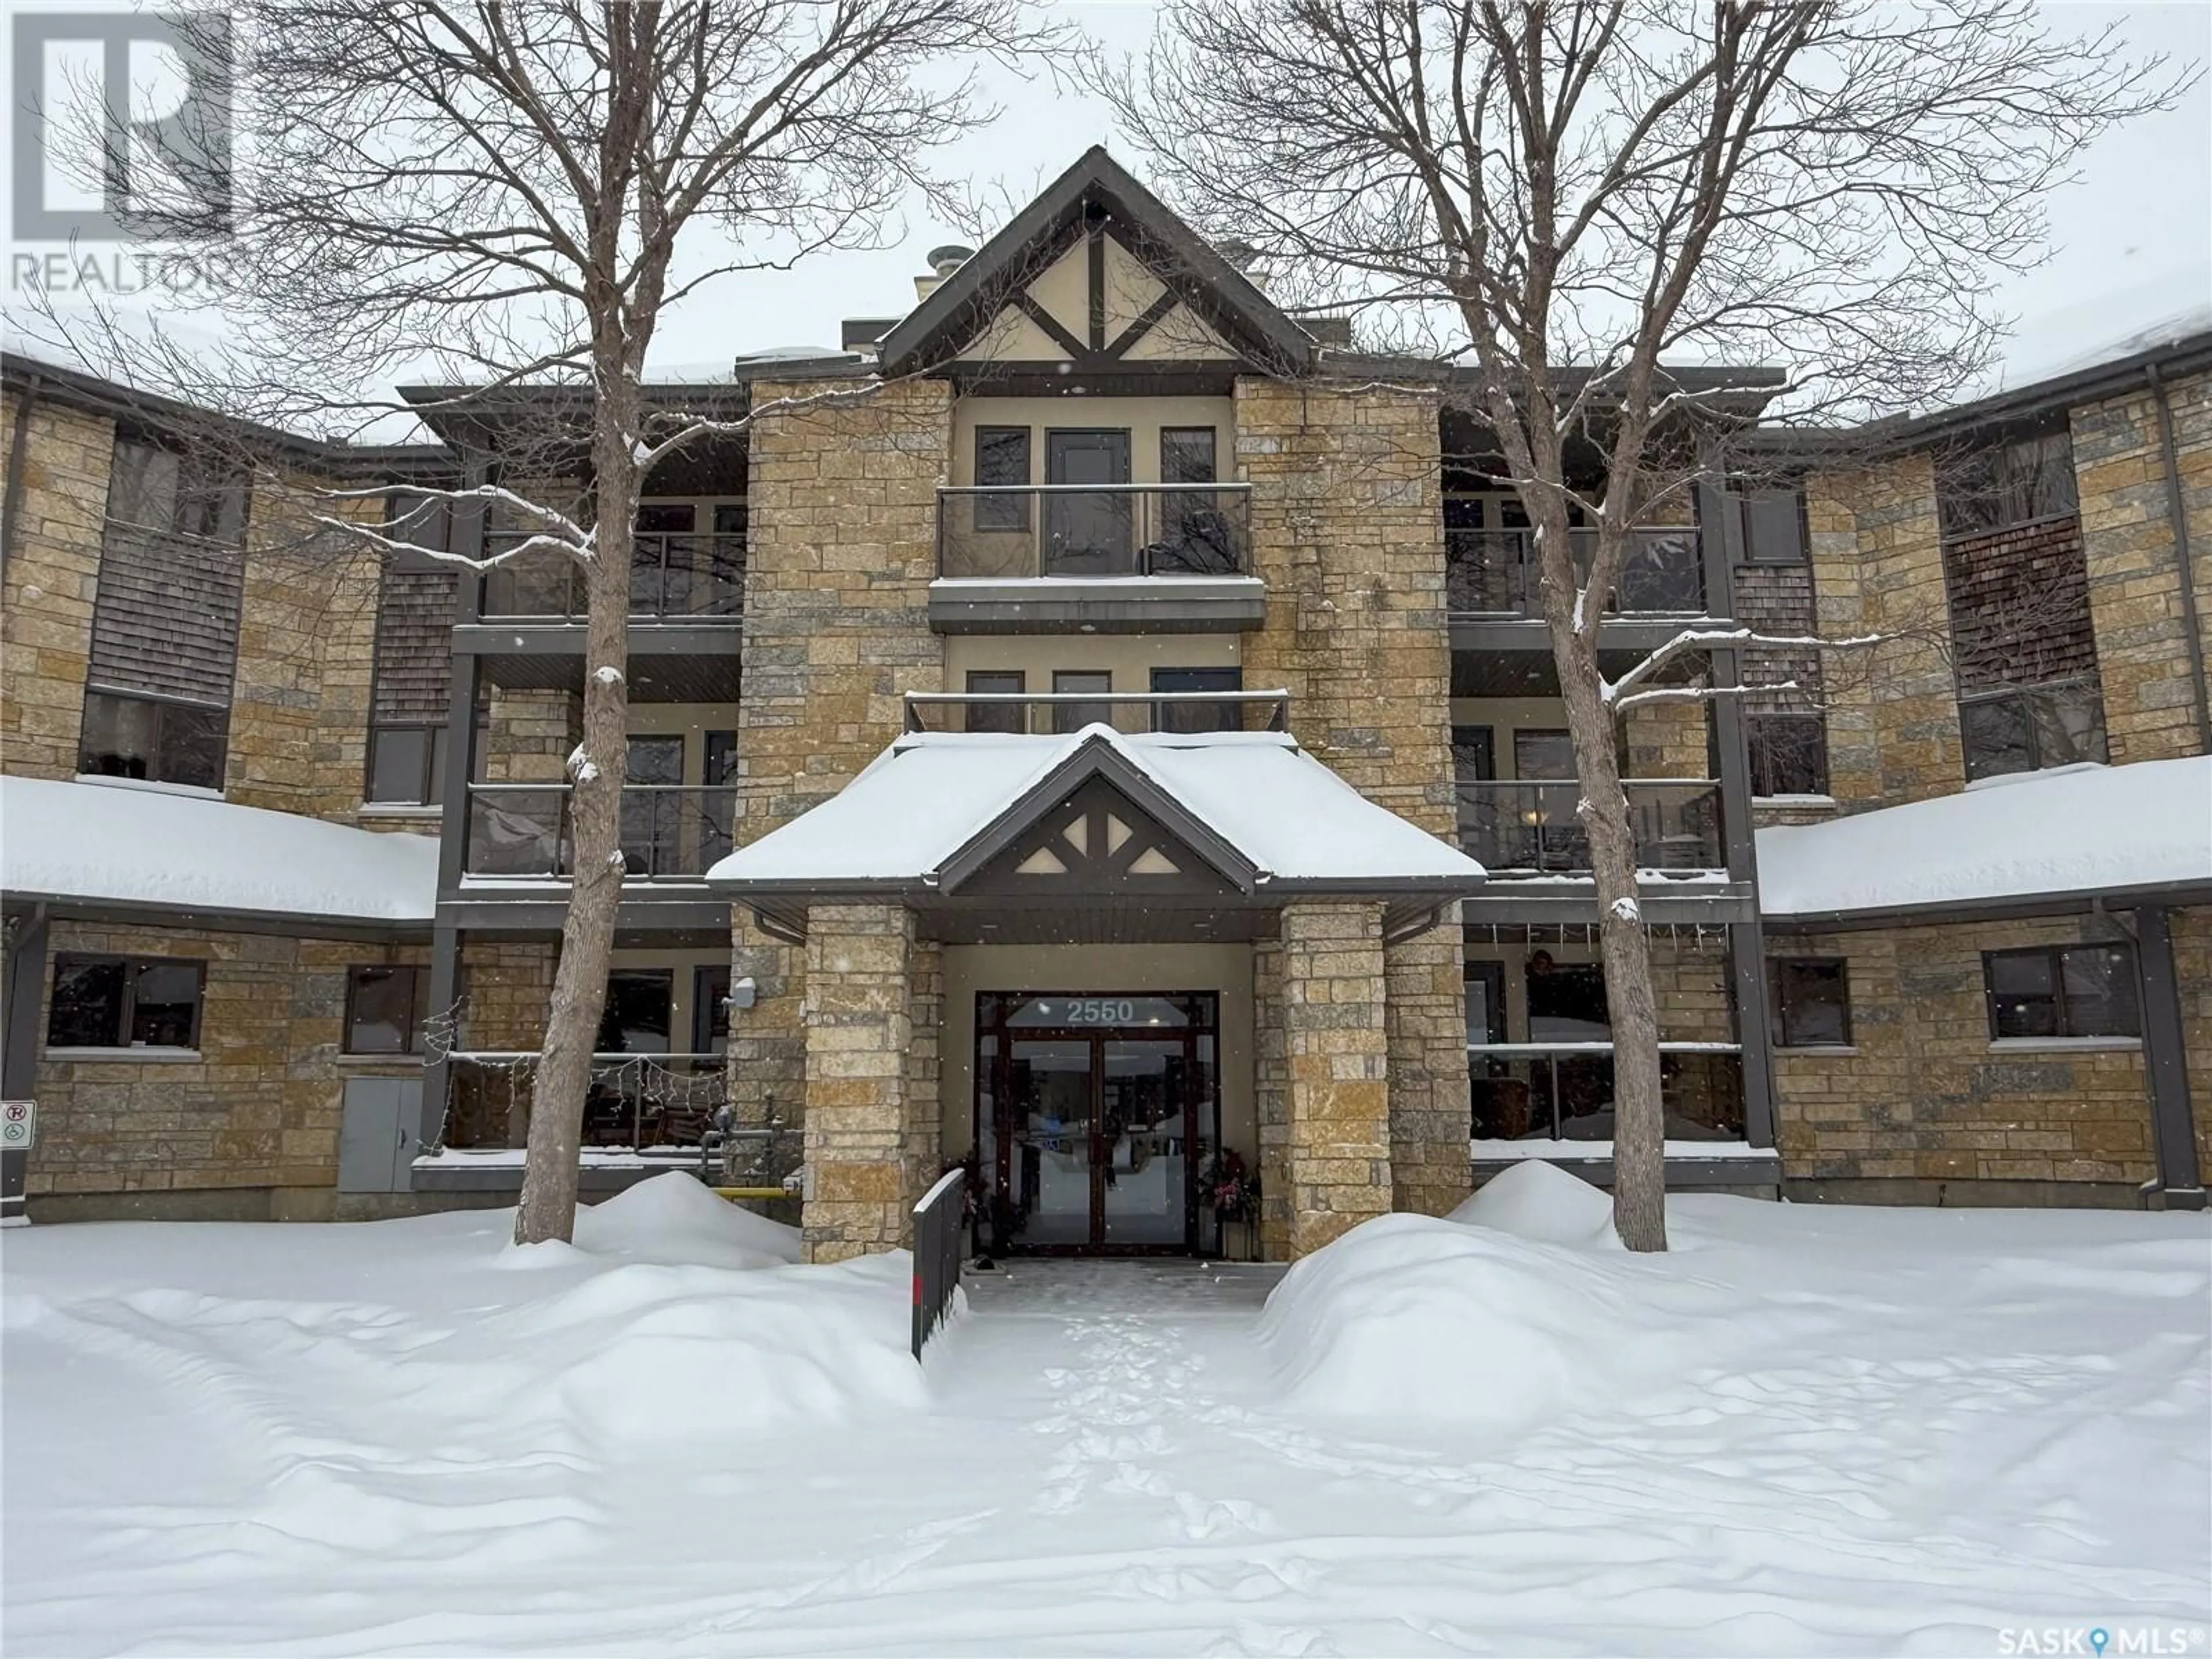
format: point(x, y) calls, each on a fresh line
point(942, 263)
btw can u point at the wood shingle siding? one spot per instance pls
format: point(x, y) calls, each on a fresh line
point(414, 646)
point(165, 618)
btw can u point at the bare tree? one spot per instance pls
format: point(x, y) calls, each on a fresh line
point(1562, 200)
point(507, 199)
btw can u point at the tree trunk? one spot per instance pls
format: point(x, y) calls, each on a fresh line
point(587, 932)
point(1639, 1156)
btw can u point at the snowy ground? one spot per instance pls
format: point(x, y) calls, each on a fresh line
point(1805, 1430)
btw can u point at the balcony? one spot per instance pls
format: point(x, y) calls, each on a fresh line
point(1491, 574)
point(1040, 713)
point(673, 578)
point(1561, 1094)
point(670, 832)
point(1532, 827)
point(635, 1102)
point(1099, 557)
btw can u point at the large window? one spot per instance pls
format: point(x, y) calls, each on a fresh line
point(1811, 999)
point(155, 738)
point(1995, 486)
point(1198, 716)
point(1002, 461)
point(2030, 728)
point(124, 1002)
point(1789, 754)
point(164, 490)
point(384, 1010)
point(2063, 991)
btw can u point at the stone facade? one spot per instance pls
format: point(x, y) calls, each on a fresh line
point(1335, 1040)
point(1924, 1101)
point(1271, 1099)
point(529, 735)
point(1878, 569)
point(861, 1135)
point(2192, 968)
point(842, 548)
point(306, 658)
point(2135, 580)
point(1347, 532)
point(254, 1113)
point(54, 576)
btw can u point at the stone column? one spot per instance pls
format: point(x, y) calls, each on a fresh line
point(1429, 1106)
point(859, 1029)
point(1337, 1041)
point(1271, 1100)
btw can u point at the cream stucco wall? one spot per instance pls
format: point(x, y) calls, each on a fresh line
point(1226, 968)
point(1143, 417)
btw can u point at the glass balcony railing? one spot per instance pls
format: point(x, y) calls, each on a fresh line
point(1524, 1091)
point(690, 578)
point(1533, 826)
point(1012, 533)
point(669, 831)
point(1493, 572)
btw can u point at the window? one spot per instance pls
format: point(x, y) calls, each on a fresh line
point(1789, 754)
point(407, 765)
point(1198, 716)
point(152, 737)
point(157, 488)
point(1774, 527)
point(1811, 1002)
point(124, 1002)
point(1187, 455)
point(638, 1015)
point(997, 716)
point(1074, 716)
point(720, 756)
point(2027, 729)
point(1543, 755)
point(1002, 461)
point(2063, 991)
point(1473, 754)
point(384, 1010)
point(710, 1010)
point(1999, 485)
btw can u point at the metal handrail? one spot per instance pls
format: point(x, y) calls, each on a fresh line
point(1518, 598)
point(1093, 490)
point(701, 829)
point(1169, 531)
point(1665, 1047)
point(1530, 823)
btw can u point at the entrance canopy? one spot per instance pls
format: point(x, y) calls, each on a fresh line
point(1097, 837)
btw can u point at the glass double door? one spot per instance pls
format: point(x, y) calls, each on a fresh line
point(1093, 1138)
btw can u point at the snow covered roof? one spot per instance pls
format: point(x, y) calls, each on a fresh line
point(931, 794)
point(2067, 833)
point(102, 844)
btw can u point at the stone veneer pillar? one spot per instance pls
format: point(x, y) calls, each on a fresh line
point(859, 1026)
point(1347, 531)
point(1337, 1044)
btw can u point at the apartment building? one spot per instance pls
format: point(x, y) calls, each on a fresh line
point(1098, 725)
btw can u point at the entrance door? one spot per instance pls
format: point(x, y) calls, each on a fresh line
point(1094, 1114)
point(1087, 530)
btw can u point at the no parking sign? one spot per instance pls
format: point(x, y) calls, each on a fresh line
point(19, 1125)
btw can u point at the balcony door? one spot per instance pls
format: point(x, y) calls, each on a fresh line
point(652, 819)
point(1088, 530)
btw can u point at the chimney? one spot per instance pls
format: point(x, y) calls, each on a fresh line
point(942, 262)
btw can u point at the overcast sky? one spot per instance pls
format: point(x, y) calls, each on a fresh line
point(2133, 237)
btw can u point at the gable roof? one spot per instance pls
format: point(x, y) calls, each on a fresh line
point(965, 302)
point(936, 807)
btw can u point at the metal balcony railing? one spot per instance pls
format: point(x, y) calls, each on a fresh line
point(1493, 572)
point(1533, 825)
point(1563, 1091)
point(1016, 531)
point(668, 830)
point(689, 577)
point(1045, 713)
